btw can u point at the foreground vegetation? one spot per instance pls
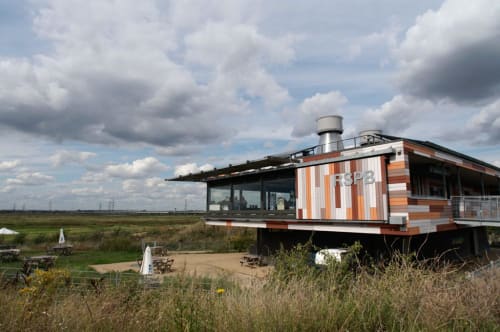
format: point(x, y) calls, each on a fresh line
point(402, 295)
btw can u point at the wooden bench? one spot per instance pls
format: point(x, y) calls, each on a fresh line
point(160, 264)
point(61, 249)
point(8, 255)
point(38, 262)
point(251, 260)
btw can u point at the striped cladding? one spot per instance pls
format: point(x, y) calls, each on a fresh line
point(325, 192)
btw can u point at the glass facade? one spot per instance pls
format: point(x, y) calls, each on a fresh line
point(254, 193)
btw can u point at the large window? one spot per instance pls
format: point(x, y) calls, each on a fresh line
point(279, 194)
point(247, 196)
point(271, 192)
point(219, 198)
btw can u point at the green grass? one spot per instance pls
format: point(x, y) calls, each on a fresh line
point(108, 238)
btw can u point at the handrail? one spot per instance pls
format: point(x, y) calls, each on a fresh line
point(478, 208)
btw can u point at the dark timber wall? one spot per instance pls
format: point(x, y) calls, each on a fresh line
point(454, 244)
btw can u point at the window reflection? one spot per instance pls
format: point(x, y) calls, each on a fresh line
point(280, 194)
point(255, 194)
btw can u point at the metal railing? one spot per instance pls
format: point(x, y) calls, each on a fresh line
point(345, 144)
point(476, 208)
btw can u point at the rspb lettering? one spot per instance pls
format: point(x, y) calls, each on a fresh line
point(348, 179)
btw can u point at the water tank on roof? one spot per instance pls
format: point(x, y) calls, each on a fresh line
point(330, 132)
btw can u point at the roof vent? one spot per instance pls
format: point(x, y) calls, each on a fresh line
point(370, 136)
point(330, 131)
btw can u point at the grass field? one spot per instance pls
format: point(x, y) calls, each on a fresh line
point(108, 238)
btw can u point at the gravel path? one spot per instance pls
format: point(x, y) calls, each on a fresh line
point(200, 264)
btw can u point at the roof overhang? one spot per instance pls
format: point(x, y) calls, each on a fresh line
point(249, 167)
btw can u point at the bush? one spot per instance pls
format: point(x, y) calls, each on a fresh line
point(20, 238)
point(40, 239)
point(119, 244)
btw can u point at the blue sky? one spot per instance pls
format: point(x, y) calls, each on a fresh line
point(102, 100)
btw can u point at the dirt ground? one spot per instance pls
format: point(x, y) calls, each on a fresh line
point(201, 264)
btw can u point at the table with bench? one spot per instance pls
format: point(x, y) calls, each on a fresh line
point(251, 260)
point(9, 254)
point(39, 262)
point(61, 249)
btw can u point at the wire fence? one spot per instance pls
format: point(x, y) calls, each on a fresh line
point(91, 281)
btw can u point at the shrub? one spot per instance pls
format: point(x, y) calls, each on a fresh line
point(40, 239)
point(20, 238)
point(119, 244)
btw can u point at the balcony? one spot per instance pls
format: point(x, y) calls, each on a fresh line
point(476, 210)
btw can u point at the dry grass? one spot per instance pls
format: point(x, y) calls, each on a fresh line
point(401, 296)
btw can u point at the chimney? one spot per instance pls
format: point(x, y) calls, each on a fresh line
point(330, 131)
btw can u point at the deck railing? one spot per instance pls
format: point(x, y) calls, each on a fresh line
point(476, 208)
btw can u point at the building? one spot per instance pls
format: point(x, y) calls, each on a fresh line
point(386, 192)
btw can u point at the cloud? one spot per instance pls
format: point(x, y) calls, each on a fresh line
point(314, 107)
point(453, 53)
point(396, 115)
point(378, 42)
point(127, 73)
point(9, 165)
point(149, 185)
point(178, 151)
point(484, 127)
point(137, 169)
point(66, 157)
point(88, 192)
point(191, 168)
point(238, 54)
point(30, 179)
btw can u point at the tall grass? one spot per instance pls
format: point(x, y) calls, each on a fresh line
point(402, 295)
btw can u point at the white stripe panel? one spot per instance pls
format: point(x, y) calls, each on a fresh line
point(397, 186)
point(399, 214)
point(332, 228)
point(237, 224)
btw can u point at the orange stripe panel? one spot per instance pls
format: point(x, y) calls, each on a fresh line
point(361, 208)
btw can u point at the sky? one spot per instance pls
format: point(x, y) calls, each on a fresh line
point(100, 101)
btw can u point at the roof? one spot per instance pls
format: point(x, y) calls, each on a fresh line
point(444, 149)
point(250, 166)
point(287, 160)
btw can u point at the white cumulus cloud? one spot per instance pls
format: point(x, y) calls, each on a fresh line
point(137, 169)
point(66, 157)
point(30, 179)
point(312, 108)
point(190, 168)
point(453, 52)
point(9, 165)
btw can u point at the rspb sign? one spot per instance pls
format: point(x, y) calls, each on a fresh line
point(344, 190)
point(348, 178)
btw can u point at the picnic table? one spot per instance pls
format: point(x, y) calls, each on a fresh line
point(61, 249)
point(161, 264)
point(39, 262)
point(9, 254)
point(251, 260)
